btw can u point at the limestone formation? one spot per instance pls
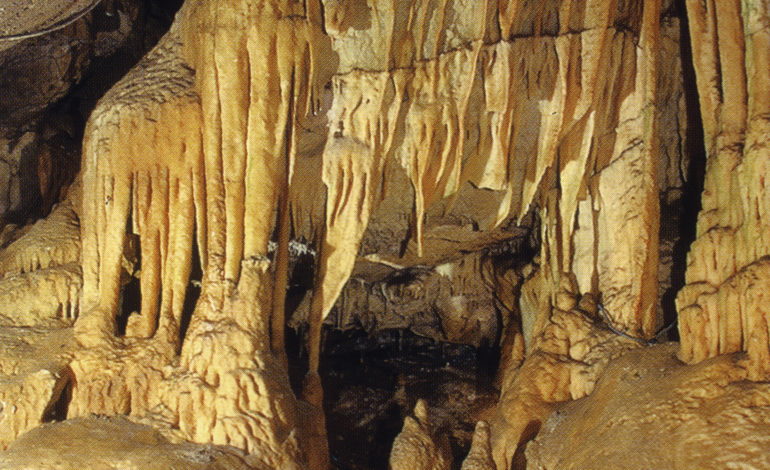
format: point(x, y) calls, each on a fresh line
point(42, 281)
point(722, 307)
point(419, 446)
point(113, 441)
point(656, 412)
point(480, 455)
point(34, 378)
point(495, 174)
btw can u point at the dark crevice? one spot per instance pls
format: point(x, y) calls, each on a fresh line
point(686, 214)
point(519, 460)
point(193, 292)
point(300, 281)
point(58, 407)
point(154, 20)
point(130, 293)
point(163, 11)
point(299, 285)
point(131, 301)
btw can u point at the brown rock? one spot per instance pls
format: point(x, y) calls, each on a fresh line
point(113, 442)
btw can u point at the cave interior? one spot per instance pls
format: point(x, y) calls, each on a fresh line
point(384, 234)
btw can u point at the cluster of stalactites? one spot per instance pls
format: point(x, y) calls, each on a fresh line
point(40, 278)
point(208, 168)
point(195, 149)
point(499, 108)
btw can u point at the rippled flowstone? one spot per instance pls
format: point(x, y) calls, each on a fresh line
point(107, 443)
point(649, 410)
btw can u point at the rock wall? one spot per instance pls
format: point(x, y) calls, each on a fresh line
point(722, 308)
point(46, 50)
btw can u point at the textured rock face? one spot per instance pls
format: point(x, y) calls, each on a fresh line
point(113, 443)
point(723, 307)
point(651, 411)
point(419, 446)
point(31, 85)
point(411, 146)
point(34, 378)
point(45, 49)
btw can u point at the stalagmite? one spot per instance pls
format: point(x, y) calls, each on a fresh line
point(418, 447)
point(480, 455)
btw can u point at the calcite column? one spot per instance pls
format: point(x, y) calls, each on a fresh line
point(595, 180)
point(193, 151)
point(724, 306)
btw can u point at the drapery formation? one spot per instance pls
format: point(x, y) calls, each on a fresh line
point(540, 101)
point(723, 307)
point(178, 147)
point(193, 151)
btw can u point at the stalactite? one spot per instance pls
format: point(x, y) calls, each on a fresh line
point(573, 131)
point(361, 138)
point(353, 161)
point(278, 318)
